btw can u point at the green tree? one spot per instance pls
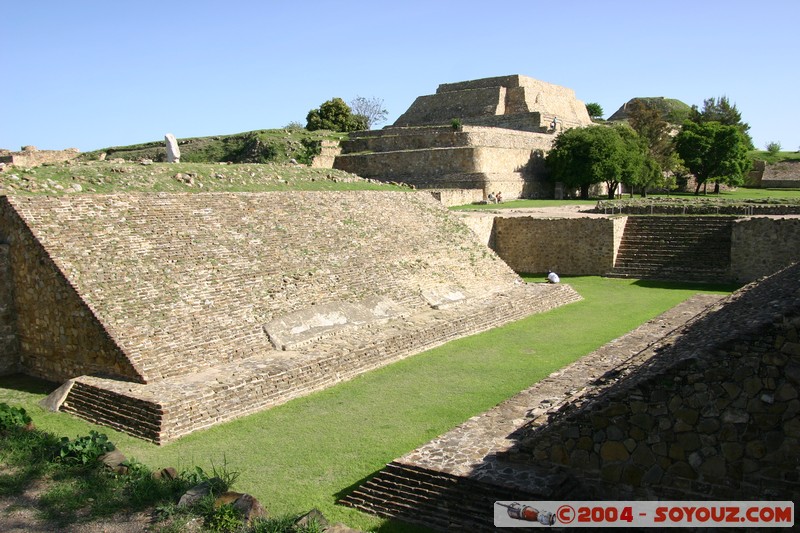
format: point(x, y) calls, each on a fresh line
point(334, 115)
point(638, 168)
point(720, 110)
point(595, 110)
point(648, 121)
point(713, 151)
point(581, 157)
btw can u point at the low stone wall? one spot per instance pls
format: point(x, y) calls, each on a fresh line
point(785, 174)
point(451, 197)
point(761, 246)
point(33, 158)
point(9, 357)
point(578, 246)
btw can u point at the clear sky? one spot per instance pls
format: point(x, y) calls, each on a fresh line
point(90, 74)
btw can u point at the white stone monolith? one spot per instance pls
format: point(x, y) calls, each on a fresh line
point(173, 152)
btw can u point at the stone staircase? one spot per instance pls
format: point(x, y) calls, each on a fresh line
point(675, 248)
point(443, 501)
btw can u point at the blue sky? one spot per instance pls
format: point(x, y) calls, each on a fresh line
point(90, 74)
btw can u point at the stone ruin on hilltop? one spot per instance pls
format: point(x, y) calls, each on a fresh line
point(163, 313)
point(484, 135)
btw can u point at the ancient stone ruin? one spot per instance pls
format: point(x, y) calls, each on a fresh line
point(487, 135)
point(700, 403)
point(30, 156)
point(168, 313)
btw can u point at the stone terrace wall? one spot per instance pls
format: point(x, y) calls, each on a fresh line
point(714, 416)
point(58, 336)
point(9, 356)
point(761, 246)
point(783, 174)
point(33, 158)
point(578, 246)
point(183, 282)
point(502, 95)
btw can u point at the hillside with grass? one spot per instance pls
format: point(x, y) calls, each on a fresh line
point(261, 146)
point(674, 111)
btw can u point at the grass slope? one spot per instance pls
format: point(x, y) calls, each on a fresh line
point(260, 146)
point(308, 452)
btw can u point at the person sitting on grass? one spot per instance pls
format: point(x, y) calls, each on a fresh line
point(490, 199)
point(552, 277)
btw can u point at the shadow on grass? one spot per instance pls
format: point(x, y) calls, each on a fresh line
point(23, 383)
point(684, 285)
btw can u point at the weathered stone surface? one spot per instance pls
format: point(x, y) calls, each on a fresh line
point(249, 507)
point(173, 151)
point(197, 493)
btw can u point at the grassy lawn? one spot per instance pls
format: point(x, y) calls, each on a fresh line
point(307, 452)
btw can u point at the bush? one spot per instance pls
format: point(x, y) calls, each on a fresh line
point(456, 124)
point(224, 519)
point(84, 450)
point(773, 147)
point(12, 417)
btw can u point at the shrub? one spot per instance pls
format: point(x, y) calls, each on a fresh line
point(773, 147)
point(456, 124)
point(84, 450)
point(11, 417)
point(224, 519)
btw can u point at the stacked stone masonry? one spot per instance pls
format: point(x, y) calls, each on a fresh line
point(743, 248)
point(175, 291)
point(702, 403)
point(8, 330)
point(480, 456)
point(682, 248)
point(490, 134)
point(31, 157)
point(715, 415)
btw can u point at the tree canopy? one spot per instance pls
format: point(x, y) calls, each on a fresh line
point(713, 151)
point(595, 110)
point(720, 110)
point(335, 115)
point(581, 157)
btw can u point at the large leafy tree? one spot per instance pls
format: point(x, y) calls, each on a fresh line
point(721, 110)
point(648, 121)
point(595, 110)
point(713, 152)
point(581, 157)
point(335, 115)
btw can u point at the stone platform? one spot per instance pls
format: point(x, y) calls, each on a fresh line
point(452, 482)
point(165, 410)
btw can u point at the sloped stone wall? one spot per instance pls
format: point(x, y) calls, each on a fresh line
point(183, 282)
point(58, 335)
point(714, 416)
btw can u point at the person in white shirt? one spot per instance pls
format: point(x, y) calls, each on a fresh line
point(552, 277)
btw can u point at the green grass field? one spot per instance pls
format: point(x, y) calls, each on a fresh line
point(309, 451)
